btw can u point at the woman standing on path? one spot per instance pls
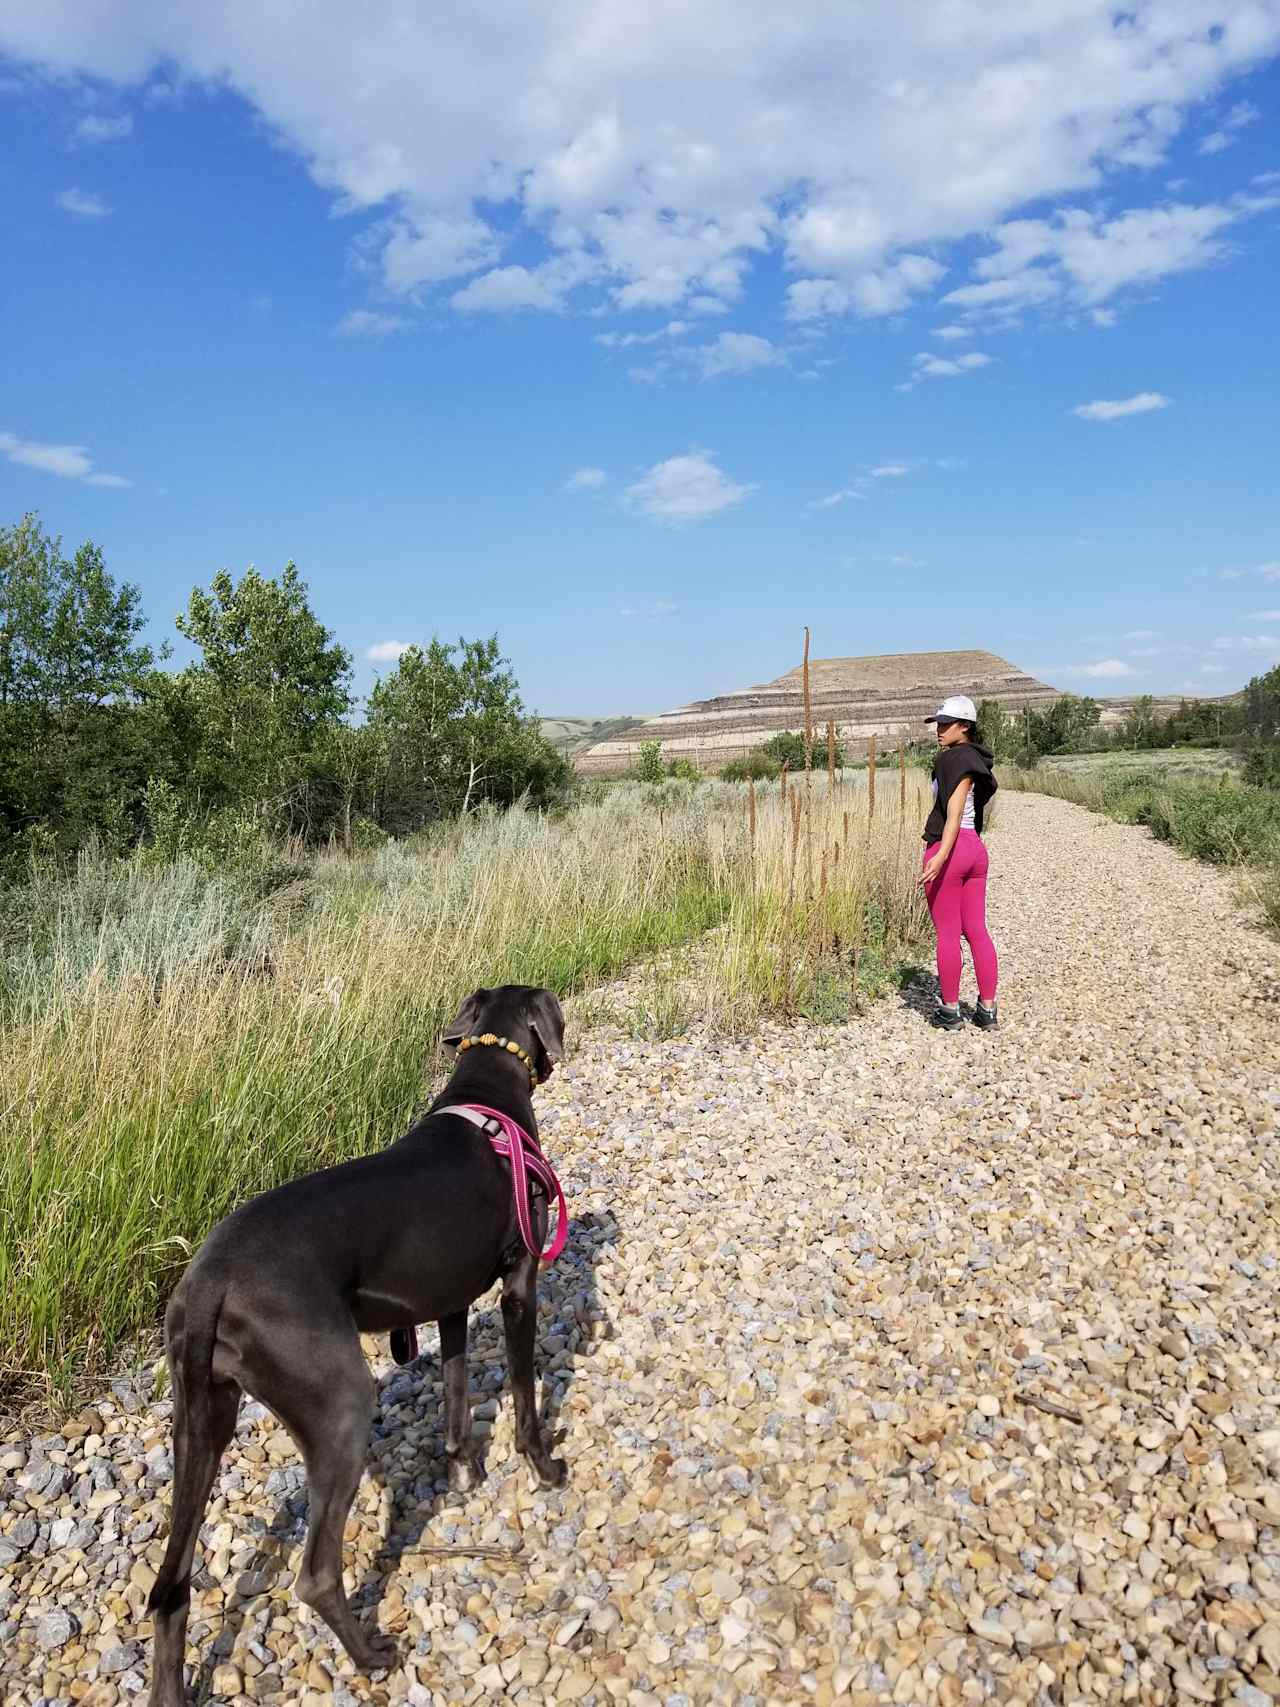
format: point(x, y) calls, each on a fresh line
point(955, 860)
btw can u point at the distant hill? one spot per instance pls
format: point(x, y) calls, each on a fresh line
point(888, 696)
point(570, 735)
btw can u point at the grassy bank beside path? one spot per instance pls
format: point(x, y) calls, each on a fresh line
point(173, 1043)
point(1213, 818)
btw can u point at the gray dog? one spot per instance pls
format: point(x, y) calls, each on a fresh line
point(276, 1298)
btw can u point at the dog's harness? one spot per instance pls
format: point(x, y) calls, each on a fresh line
point(511, 1140)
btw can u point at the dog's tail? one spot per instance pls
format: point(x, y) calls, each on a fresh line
point(200, 1431)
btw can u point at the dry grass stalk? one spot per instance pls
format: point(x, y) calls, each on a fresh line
point(871, 777)
point(902, 790)
point(831, 757)
point(808, 708)
point(808, 773)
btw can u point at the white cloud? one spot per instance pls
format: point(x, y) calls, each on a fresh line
point(364, 323)
point(628, 340)
point(685, 489)
point(1081, 258)
point(1142, 634)
point(1216, 669)
point(882, 471)
point(901, 561)
point(665, 151)
point(738, 352)
point(952, 334)
point(1267, 643)
point(1104, 317)
point(1147, 651)
point(586, 480)
point(386, 651)
point(94, 129)
point(1263, 616)
point(1242, 114)
point(1142, 404)
point(1269, 571)
point(1105, 669)
point(83, 203)
point(868, 294)
point(925, 365)
point(68, 462)
point(507, 289)
point(659, 611)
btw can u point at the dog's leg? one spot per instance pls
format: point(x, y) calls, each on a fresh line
point(520, 1321)
point(203, 1422)
point(465, 1468)
point(327, 1407)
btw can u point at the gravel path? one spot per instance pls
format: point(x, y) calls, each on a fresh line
point(891, 1366)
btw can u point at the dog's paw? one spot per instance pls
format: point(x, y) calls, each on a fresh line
point(551, 1472)
point(465, 1473)
point(375, 1652)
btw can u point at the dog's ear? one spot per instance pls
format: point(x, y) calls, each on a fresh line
point(546, 1021)
point(466, 1019)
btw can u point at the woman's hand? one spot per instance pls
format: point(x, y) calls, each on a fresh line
point(932, 869)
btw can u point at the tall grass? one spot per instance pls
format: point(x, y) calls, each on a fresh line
point(172, 1042)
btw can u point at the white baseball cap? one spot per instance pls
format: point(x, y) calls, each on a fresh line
point(957, 709)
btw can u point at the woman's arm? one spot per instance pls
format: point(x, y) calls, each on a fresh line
point(955, 812)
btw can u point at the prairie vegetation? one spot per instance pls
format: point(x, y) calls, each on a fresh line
point(174, 1039)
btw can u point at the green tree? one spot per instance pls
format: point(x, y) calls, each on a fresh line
point(73, 672)
point(1261, 713)
point(1069, 724)
point(1001, 730)
point(1140, 727)
point(787, 748)
point(448, 730)
point(269, 690)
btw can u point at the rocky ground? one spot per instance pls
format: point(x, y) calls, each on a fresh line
point(890, 1365)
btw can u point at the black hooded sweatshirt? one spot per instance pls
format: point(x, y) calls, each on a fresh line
point(967, 758)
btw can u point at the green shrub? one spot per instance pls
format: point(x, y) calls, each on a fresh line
point(752, 767)
point(649, 767)
point(1262, 767)
point(684, 770)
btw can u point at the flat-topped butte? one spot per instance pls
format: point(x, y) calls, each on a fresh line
point(887, 696)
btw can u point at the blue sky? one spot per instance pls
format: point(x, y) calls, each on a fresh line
point(646, 340)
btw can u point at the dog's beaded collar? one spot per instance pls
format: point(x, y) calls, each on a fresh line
point(491, 1040)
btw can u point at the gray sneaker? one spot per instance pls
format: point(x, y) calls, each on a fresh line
point(986, 1018)
point(947, 1019)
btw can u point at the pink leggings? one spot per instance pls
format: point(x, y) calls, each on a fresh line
point(958, 904)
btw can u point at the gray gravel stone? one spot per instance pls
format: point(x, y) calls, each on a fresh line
point(55, 1630)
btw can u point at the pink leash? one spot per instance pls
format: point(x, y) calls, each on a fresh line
point(526, 1158)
